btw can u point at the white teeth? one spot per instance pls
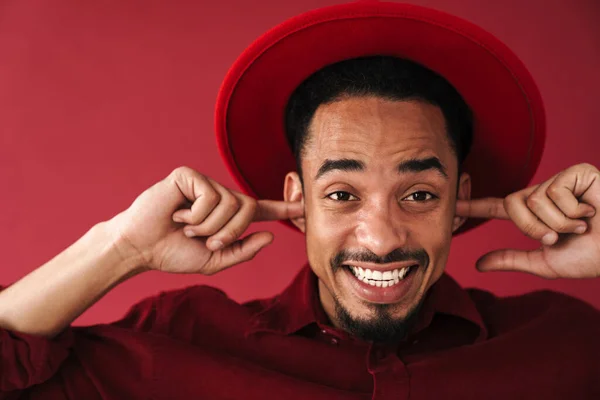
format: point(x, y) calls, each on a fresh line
point(403, 272)
point(378, 278)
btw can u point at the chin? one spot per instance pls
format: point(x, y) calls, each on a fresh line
point(378, 322)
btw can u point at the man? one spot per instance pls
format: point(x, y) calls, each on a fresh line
point(382, 181)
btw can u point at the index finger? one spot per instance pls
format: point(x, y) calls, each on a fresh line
point(488, 208)
point(273, 210)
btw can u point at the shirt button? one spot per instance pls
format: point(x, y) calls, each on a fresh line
point(334, 341)
point(323, 331)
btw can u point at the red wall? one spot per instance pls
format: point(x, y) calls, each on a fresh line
point(98, 100)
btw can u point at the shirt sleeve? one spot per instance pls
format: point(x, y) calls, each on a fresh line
point(27, 360)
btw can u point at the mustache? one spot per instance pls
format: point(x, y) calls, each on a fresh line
point(397, 255)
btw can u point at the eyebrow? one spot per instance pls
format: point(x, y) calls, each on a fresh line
point(344, 164)
point(425, 164)
point(414, 165)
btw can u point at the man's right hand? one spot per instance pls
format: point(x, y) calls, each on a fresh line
point(148, 235)
point(188, 223)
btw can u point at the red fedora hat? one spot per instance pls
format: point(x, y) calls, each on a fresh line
point(509, 120)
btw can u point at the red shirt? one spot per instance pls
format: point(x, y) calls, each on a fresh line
point(196, 343)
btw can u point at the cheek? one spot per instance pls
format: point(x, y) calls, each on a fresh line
point(434, 234)
point(327, 234)
point(440, 258)
point(327, 223)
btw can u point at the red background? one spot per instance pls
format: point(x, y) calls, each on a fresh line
point(99, 100)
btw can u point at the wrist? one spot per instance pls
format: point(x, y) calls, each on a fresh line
point(130, 261)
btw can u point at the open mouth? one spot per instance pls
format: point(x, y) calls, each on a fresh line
point(381, 278)
point(383, 285)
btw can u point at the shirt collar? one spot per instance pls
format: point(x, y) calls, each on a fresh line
point(299, 306)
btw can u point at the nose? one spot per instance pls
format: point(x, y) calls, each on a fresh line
point(379, 228)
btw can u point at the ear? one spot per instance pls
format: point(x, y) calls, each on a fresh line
point(463, 193)
point(292, 191)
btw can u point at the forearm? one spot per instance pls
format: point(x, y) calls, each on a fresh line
point(48, 299)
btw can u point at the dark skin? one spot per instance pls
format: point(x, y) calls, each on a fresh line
point(379, 175)
point(378, 201)
point(371, 205)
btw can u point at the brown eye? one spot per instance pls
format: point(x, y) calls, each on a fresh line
point(341, 196)
point(419, 196)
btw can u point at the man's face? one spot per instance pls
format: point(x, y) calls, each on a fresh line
point(380, 186)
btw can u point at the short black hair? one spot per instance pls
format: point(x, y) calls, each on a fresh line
point(383, 76)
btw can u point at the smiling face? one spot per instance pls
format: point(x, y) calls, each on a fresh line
point(380, 187)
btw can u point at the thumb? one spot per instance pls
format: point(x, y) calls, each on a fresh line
point(514, 260)
point(241, 250)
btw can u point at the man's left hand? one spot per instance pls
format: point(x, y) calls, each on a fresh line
point(561, 213)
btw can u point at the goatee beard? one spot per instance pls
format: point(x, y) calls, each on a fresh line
point(382, 327)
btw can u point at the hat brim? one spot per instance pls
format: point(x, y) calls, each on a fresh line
point(509, 119)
